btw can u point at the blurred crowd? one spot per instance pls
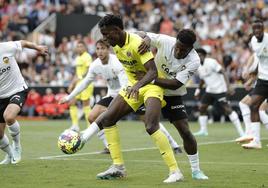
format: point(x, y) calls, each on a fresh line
point(222, 26)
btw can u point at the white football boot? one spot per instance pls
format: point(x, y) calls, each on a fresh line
point(8, 160)
point(245, 138)
point(252, 145)
point(113, 172)
point(174, 177)
point(16, 152)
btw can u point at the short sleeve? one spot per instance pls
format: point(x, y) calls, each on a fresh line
point(11, 47)
point(143, 58)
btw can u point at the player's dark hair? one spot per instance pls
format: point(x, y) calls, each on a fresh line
point(104, 42)
point(82, 42)
point(201, 51)
point(187, 37)
point(111, 20)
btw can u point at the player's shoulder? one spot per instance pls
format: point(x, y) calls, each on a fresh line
point(9, 44)
point(210, 61)
point(193, 56)
point(96, 62)
point(86, 55)
point(133, 39)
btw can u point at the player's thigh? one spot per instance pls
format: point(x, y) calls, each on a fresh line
point(95, 112)
point(175, 109)
point(246, 100)
point(11, 111)
point(116, 110)
point(256, 101)
point(264, 105)
point(2, 129)
point(152, 112)
point(206, 100)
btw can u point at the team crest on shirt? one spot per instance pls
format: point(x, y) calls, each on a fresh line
point(6, 60)
point(129, 54)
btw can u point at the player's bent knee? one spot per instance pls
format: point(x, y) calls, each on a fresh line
point(9, 118)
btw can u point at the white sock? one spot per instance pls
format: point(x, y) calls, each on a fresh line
point(90, 131)
point(101, 136)
point(203, 121)
point(4, 145)
point(172, 142)
point(194, 162)
point(264, 118)
point(245, 110)
point(14, 131)
point(256, 131)
point(235, 120)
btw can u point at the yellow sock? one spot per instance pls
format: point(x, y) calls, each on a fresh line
point(165, 149)
point(86, 110)
point(74, 114)
point(112, 136)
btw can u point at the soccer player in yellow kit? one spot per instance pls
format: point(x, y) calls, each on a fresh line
point(125, 46)
point(82, 62)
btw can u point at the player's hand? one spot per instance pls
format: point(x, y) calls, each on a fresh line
point(63, 100)
point(43, 50)
point(245, 75)
point(139, 74)
point(133, 92)
point(144, 46)
point(248, 85)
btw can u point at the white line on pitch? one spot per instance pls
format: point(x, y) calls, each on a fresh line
point(160, 161)
point(132, 149)
point(128, 150)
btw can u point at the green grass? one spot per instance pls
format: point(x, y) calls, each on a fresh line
point(226, 163)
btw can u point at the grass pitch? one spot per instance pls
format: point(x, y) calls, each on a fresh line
point(44, 165)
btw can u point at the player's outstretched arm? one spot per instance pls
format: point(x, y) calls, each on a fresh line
point(40, 48)
point(79, 88)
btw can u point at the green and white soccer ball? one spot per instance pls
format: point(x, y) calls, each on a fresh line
point(69, 141)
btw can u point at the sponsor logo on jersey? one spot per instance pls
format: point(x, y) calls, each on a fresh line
point(6, 60)
point(166, 69)
point(129, 63)
point(5, 69)
point(177, 107)
point(129, 54)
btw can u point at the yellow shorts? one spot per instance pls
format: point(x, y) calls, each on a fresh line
point(86, 94)
point(145, 92)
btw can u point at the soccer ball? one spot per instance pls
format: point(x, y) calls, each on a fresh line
point(69, 141)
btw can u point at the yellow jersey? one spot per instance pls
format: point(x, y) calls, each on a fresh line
point(129, 56)
point(82, 63)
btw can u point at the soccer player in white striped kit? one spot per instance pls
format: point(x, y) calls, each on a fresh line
point(13, 92)
point(259, 45)
point(217, 87)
